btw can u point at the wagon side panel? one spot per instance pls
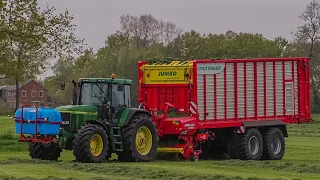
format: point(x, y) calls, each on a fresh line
point(249, 90)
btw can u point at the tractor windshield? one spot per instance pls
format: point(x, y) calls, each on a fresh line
point(94, 93)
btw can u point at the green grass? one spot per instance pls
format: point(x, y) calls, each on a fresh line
point(301, 161)
point(6, 124)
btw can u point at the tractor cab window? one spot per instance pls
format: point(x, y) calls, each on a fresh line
point(94, 93)
point(121, 95)
point(117, 96)
point(127, 98)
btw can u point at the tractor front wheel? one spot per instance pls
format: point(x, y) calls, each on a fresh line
point(41, 151)
point(90, 144)
point(140, 140)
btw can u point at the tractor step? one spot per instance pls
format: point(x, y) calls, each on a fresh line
point(116, 139)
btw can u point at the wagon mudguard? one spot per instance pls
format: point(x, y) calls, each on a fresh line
point(128, 113)
point(275, 123)
point(95, 122)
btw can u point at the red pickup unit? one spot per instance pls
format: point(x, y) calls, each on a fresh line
point(240, 106)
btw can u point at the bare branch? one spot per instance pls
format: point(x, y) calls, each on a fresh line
point(145, 30)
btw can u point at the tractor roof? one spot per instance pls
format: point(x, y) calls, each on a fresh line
point(106, 80)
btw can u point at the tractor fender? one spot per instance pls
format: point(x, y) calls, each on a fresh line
point(126, 118)
point(265, 124)
point(98, 123)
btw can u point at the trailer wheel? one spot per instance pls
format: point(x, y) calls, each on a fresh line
point(250, 145)
point(140, 140)
point(44, 152)
point(273, 144)
point(90, 144)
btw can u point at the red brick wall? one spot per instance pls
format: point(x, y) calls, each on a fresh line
point(32, 92)
point(11, 95)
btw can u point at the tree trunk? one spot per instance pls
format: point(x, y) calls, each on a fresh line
point(17, 94)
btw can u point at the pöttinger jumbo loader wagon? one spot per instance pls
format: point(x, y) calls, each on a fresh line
point(240, 106)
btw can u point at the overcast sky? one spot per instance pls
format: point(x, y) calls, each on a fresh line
point(96, 19)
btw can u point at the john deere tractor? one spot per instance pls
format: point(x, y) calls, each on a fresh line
point(100, 122)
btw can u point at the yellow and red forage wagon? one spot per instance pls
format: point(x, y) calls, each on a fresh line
point(241, 104)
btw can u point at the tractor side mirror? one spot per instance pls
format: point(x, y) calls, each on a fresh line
point(63, 86)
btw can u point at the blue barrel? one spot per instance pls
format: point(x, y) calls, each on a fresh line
point(43, 128)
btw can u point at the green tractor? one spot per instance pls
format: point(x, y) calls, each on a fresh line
point(100, 122)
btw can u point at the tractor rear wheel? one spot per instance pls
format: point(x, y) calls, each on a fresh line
point(41, 151)
point(140, 140)
point(250, 145)
point(91, 144)
point(273, 144)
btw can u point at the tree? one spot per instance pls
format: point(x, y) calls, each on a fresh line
point(193, 45)
point(138, 39)
point(63, 71)
point(84, 60)
point(146, 30)
point(32, 37)
point(306, 43)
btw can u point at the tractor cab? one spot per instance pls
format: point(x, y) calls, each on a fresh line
point(108, 96)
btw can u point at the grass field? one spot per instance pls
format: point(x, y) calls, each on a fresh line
point(301, 161)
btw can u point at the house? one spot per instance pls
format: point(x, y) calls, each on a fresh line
point(30, 93)
point(8, 96)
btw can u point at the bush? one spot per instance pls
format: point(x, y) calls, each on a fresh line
point(6, 111)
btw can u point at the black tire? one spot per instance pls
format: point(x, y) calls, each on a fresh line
point(273, 144)
point(81, 144)
point(130, 152)
point(250, 145)
point(41, 151)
